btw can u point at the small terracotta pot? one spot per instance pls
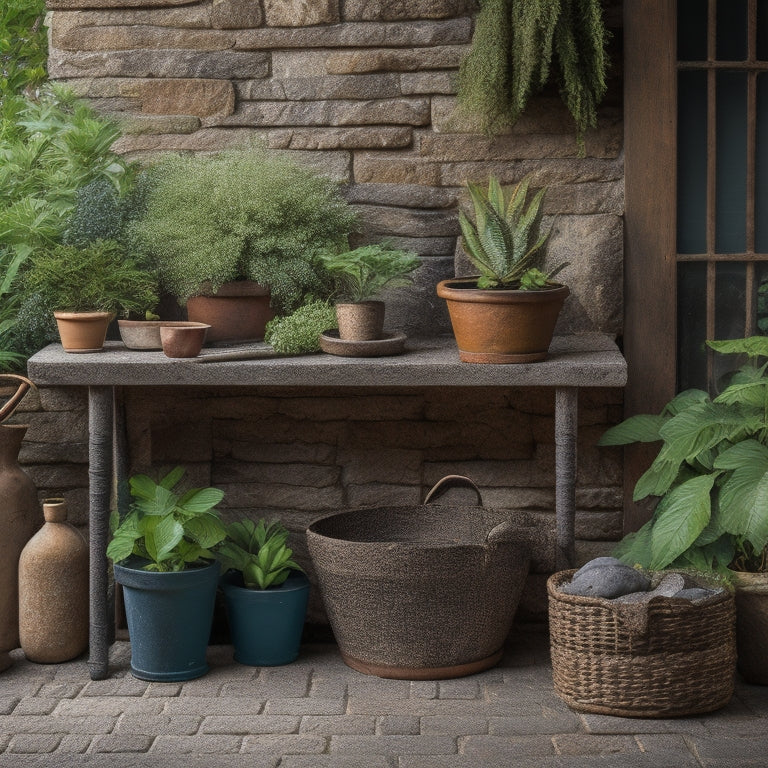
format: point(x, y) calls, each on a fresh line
point(140, 334)
point(83, 331)
point(361, 321)
point(238, 311)
point(183, 339)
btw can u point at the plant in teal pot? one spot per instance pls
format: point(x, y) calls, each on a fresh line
point(265, 592)
point(163, 556)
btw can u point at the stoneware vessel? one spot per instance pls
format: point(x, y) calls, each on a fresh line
point(183, 339)
point(83, 331)
point(19, 519)
point(140, 334)
point(53, 589)
point(361, 321)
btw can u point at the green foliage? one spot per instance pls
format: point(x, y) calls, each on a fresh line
point(23, 46)
point(711, 472)
point(363, 273)
point(299, 333)
point(10, 302)
point(505, 243)
point(521, 45)
point(170, 529)
point(259, 551)
point(97, 277)
point(242, 215)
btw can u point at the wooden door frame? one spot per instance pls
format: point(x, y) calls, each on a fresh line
point(650, 219)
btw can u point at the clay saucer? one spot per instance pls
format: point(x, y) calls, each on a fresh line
point(388, 344)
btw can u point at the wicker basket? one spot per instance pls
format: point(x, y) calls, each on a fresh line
point(676, 658)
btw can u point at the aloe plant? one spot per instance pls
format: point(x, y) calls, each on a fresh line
point(259, 551)
point(506, 242)
point(711, 472)
point(171, 530)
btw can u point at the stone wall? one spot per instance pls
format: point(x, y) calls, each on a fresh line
point(364, 91)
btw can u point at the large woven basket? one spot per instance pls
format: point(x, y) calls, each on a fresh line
point(676, 659)
point(424, 592)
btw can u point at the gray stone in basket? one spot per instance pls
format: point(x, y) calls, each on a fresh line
point(607, 581)
point(696, 593)
point(669, 586)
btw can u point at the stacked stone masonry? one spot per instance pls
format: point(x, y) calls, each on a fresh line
point(365, 92)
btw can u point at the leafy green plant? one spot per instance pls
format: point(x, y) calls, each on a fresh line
point(521, 45)
point(242, 215)
point(711, 472)
point(299, 332)
point(170, 529)
point(97, 277)
point(259, 551)
point(10, 302)
point(363, 273)
point(506, 244)
point(23, 46)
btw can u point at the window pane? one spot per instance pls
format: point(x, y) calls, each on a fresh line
point(731, 195)
point(761, 167)
point(691, 324)
point(691, 30)
point(762, 30)
point(731, 30)
point(692, 163)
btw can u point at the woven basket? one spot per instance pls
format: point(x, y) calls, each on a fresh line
point(677, 658)
point(424, 592)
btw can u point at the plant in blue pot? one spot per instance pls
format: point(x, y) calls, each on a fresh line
point(163, 557)
point(265, 593)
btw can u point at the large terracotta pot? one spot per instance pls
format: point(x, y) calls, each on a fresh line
point(501, 326)
point(238, 311)
point(19, 519)
point(83, 331)
point(752, 625)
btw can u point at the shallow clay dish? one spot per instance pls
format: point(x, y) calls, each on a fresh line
point(183, 338)
point(389, 344)
point(140, 334)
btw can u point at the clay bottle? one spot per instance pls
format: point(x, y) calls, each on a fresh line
point(53, 589)
point(19, 519)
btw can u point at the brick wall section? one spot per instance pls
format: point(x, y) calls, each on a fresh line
point(364, 91)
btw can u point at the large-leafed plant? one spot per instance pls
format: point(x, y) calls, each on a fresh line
point(711, 472)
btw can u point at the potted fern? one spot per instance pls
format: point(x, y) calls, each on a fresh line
point(360, 275)
point(507, 313)
point(236, 236)
point(163, 556)
point(265, 593)
point(86, 287)
point(711, 479)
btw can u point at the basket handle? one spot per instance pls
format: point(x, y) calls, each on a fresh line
point(22, 389)
point(452, 481)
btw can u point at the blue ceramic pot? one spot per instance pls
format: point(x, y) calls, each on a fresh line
point(169, 620)
point(266, 624)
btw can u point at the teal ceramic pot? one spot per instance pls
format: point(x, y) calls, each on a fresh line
point(266, 625)
point(169, 619)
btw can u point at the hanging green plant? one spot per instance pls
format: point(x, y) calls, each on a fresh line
point(520, 45)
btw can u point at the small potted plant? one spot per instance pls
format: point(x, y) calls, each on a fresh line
point(265, 593)
point(360, 275)
point(711, 478)
point(86, 287)
point(506, 314)
point(236, 236)
point(163, 557)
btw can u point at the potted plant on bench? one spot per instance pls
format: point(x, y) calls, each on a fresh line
point(506, 314)
point(265, 592)
point(162, 554)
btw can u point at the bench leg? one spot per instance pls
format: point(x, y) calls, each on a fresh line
point(566, 427)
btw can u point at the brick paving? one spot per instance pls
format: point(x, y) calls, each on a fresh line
point(318, 713)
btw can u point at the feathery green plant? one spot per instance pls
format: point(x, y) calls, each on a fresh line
point(23, 46)
point(506, 243)
point(299, 332)
point(521, 45)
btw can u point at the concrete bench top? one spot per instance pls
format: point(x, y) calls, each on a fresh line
point(582, 360)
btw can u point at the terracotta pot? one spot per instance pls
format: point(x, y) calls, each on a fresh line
point(501, 326)
point(238, 311)
point(140, 334)
point(53, 589)
point(183, 339)
point(752, 625)
point(360, 321)
point(83, 331)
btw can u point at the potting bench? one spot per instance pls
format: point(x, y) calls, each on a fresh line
point(589, 360)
